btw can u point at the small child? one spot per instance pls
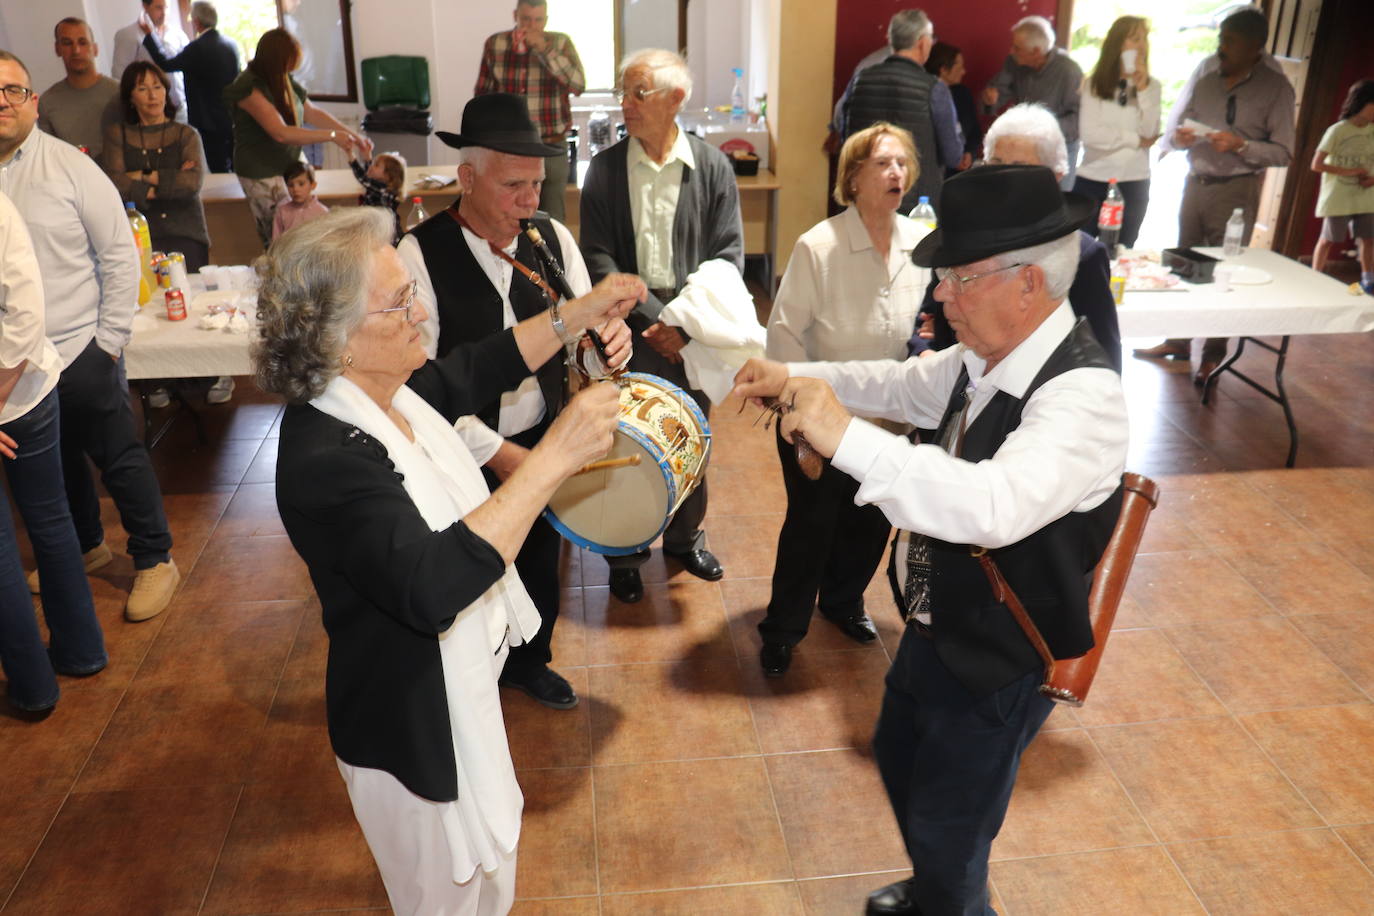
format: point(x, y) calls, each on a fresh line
point(1345, 159)
point(384, 181)
point(301, 206)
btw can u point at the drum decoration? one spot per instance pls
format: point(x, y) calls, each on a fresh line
point(662, 444)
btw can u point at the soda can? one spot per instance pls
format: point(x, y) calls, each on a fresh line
point(160, 268)
point(177, 270)
point(176, 305)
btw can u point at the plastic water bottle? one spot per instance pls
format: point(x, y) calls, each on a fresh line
point(417, 214)
point(147, 280)
point(1109, 218)
point(924, 213)
point(598, 131)
point(1235, 234)
point(737, 106)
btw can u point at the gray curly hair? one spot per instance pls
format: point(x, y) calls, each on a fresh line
point(312, 296)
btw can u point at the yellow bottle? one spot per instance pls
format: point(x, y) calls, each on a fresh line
point(147, 282)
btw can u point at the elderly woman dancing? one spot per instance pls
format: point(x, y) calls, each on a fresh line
point(850, 292)
point(408, 550)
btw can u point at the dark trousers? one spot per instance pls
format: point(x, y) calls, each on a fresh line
point(948, 761)
point(219, 149)
point(828, 547)
point(537, 564)
point(97, 421)
point(77, 645)
point(684, 531)
point(1134, 194)
point(1202, 216)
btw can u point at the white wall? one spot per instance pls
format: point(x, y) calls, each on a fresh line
point(27, 32)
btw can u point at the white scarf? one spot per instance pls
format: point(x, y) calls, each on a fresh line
point(445, 483)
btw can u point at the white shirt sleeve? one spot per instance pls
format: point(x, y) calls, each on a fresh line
point(115, 253)
point(21, 291)
point(1067, 455)
point(794, 308)
point(914, 391)
point(411, 257)
point(481, 439)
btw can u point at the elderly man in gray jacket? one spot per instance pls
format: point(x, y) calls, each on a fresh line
point(659, 204)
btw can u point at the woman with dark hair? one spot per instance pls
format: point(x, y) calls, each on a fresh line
point(158, 164)
point(947, 63)
point(1118, 119)
point(1345, 160)
point(270, 111)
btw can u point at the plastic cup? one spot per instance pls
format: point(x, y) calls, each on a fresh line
point(1221, 279)
point(210, 274)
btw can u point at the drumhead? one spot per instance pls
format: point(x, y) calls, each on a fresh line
point(617, 511)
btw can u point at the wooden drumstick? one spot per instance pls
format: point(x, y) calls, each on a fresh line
point(608, 463)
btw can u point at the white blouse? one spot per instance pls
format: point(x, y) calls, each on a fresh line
point(840, 299)
point(1112, 132)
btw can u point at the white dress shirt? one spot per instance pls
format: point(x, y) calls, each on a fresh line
point(1111, 133)
point(128, 47)
point(1066, 456)
point(654, 190)
point(841, 299)
point(523, 407)
point(81, 236)
point(21, 318)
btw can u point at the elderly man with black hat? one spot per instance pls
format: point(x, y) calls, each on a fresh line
point(477, 273)
point(1031, 432)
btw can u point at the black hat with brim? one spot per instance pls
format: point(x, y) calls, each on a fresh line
point(994, 209)
point(499, 121)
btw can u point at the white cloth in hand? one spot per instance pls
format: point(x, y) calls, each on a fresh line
point(717, 313)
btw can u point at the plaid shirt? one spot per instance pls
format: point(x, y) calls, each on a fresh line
point(545, 79)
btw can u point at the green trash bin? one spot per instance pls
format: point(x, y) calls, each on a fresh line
point(396, 81)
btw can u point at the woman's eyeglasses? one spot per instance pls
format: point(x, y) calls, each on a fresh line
point(1122, 96)
point(406, 304)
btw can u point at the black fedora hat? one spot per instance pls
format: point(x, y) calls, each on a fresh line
point(499, 121)
point(996, 208)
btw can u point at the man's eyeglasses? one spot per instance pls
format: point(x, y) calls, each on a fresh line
point(16, 95)
point(639, 94)
point(1230, 111)
point(407, 302)
point(947, 273)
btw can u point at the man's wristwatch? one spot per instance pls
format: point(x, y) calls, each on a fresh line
point(561, 329)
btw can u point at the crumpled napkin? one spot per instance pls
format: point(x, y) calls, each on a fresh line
point(214, 322)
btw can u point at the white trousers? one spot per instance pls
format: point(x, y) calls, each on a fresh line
point(407, 840)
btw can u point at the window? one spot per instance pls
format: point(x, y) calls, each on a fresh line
point(592, 26)
point(321, 26)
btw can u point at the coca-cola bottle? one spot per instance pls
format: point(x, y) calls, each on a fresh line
point(1109, 218)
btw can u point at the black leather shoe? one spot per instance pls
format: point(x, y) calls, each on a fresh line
point(776, 659)
point(700, 562)
point(858, 627)
point(548, 687)
point(893, 900)
point(626, 585)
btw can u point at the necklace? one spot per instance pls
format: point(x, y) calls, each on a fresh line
point(143, 145)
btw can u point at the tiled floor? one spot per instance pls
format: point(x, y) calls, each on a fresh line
point(1222, 764)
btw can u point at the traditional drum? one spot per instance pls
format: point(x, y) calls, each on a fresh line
point(620, 505)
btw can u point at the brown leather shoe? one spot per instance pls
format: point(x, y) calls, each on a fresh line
point(1165, 350)
point(1206, 368)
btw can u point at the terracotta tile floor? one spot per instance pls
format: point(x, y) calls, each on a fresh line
point(1221, 766)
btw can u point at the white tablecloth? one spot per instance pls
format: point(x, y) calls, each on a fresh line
point(1297, 301)
point(182, 349)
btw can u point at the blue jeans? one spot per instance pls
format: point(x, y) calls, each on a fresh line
point(78, 646)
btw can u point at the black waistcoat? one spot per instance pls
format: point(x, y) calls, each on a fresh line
point(898, 90)
point(1050, 570)
point(470, 307)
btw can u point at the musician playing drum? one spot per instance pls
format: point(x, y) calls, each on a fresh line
point(477, 272)
point(1032, 432)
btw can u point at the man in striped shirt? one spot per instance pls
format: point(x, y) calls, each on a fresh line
point(543, 68)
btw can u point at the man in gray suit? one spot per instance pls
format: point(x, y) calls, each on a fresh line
point(659, 204)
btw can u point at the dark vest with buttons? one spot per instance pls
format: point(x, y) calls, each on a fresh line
point(469, 307)
point(1051, 570)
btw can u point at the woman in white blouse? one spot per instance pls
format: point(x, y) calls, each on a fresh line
point(1119, 122)
point(850, 292)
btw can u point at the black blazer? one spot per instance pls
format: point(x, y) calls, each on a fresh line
point(388, 585)
point(210, 62)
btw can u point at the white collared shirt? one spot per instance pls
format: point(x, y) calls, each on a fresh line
point(840, 300)
point(1066, 456)
point(81, 237)
point(1111, 133)
point(21, 318)
point(524, 406)
point(654, 190)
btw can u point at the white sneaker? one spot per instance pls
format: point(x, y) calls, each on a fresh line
point(221, 391)
point(159, 398)
point(93, 559)
point(152, 591)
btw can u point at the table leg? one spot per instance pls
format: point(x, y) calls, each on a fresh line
point(1280, 396)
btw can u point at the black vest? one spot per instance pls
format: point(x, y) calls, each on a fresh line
point(898, 91)
point(1051, 570)
point(469, 307)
